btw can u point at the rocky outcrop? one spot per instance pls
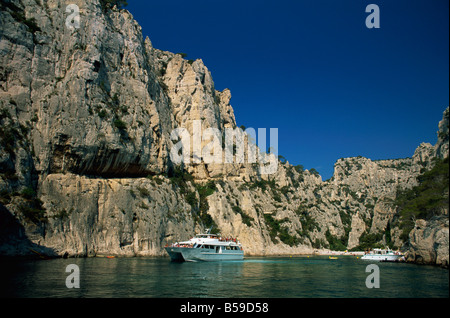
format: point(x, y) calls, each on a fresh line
point(87, 117)
point(441, 147)
point(428, 242)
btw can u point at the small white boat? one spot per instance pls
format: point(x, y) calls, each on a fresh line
point(206, 247)
point(386, 255)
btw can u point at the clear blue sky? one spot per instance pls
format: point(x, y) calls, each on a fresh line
point(312, 69)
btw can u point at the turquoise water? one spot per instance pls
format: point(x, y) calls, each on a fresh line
point(272, 277)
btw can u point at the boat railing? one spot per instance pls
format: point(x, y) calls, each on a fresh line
point(228, 239)
point(179, 245)
point(193, 245)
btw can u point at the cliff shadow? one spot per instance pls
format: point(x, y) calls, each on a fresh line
point(14, 241)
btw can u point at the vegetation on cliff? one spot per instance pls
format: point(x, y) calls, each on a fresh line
point(429, 198)
point(196, 198)
point(108, 4)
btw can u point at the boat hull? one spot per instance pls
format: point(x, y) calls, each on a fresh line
point(181, 254)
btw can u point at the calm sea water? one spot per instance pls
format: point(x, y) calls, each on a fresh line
point(273, 277)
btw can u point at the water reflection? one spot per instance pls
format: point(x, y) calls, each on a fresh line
point(253, 277)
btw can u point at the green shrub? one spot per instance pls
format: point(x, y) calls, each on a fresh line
point(32, 213)
point(287, 238)
point(31, 207)
point(263, 184)
point(277, 197)
point(102, 114)
point(369, 241)
point(275, 229)
point(191, 199)
point(119, 124)
point(32, 25)
point(246, 219)
point(299, 168)
point(308, 222)
point(336, 244)
point(28, 193)
point(207, 189)
point(314, 172)
point(5, 197)
point(346, 218)
point(143, 192)
point(179, 178)
point(109, 4)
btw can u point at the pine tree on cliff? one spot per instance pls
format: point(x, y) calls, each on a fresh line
point(109, 4)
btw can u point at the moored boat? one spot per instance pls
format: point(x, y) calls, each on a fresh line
point(386, 255)
point(206, 247)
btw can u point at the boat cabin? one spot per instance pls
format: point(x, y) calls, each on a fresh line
point(379, 251)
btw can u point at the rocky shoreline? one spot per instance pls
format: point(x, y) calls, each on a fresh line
point(35, 255)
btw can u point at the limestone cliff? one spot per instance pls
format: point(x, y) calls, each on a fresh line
point(87, 117)
point(428, 241)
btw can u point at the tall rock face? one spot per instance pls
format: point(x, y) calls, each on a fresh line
point(87, 119)
point(88, 96)
point(83, 107)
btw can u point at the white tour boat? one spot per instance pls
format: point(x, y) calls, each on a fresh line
point(387, 255)
point(206, 247)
